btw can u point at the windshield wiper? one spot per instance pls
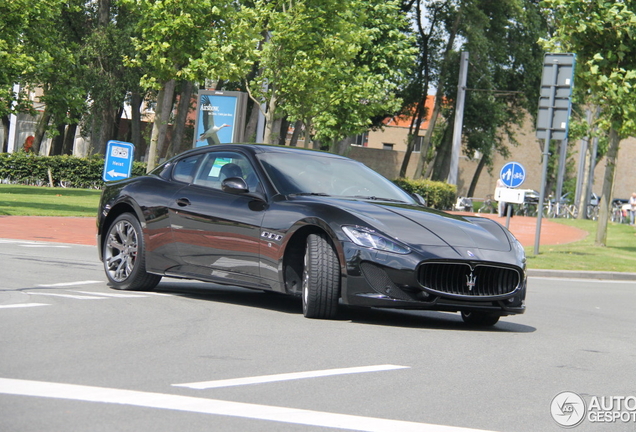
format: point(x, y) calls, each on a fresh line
point(374, 198)
point(309, 194)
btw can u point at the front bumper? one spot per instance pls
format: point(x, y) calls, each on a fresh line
point(375, 279)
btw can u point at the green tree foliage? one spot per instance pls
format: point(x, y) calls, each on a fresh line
point(22, 25)
point(503, 77)
point(193, 40)
point(331, 64)
point(605, 45)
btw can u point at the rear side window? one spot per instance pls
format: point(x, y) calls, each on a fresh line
point(185, 169)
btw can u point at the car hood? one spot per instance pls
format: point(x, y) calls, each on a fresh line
point(420, 226)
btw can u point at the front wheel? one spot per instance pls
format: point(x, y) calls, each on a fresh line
point(480, 319)
point(321, 278)
point(124, 256)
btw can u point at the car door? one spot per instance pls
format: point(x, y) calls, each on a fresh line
point(217, 233)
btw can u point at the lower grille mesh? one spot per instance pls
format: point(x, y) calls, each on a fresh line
point(479, 280)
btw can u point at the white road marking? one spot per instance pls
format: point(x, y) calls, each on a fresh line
point(159, 294)
point(44, 246)
point(287, 377)
point(606, 280)
point(68, 284)
point(77, 297)
point(111, 294)
point(23, 305)
point(216, 407)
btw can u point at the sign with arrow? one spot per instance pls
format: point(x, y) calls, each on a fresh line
point(119, 159)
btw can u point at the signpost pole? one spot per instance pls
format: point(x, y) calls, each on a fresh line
point(553, 117)
point(546, 155)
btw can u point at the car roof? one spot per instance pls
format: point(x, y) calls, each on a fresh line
point(262, 148)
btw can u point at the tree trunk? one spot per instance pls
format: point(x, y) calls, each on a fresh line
point(252, 123)
point(58, 142)
point(284, 126)
point(297, 128)
point(439, 96)
point(135, 121)
point(276, 130)
point(151, 158)
point(103, 12)
point(40, 130)
point(414, 133)
point(5, 142)
point(182, 116)
point(444, 151)
point(102, 127)
point(608, 188)
point(308, 125)
point(269, 118)
point(475, 180)
point(160, 125)
point(69, 139)
point(343, 147)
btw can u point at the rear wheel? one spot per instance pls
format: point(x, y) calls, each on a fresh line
point(480, 319)
point(124, 256)
point(321, 278)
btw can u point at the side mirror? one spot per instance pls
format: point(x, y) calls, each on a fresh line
point(420, 199)
point(234, 185)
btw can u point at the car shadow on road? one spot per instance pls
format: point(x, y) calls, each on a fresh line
point(431, 320)
point(356, 315)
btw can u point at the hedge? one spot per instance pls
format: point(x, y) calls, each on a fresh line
point(438, 195)
point(67, 171)
point(86, 173)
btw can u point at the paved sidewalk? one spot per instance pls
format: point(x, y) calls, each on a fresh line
point(77, 230)
point(81, 230)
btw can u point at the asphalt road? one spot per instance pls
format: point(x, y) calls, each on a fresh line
point(76, 355)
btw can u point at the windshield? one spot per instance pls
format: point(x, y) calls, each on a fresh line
point(317, 174)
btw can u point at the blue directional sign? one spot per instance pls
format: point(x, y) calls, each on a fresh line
point(512, 174)
point(119, 159)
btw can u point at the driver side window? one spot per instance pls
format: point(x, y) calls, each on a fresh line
point(219, 166)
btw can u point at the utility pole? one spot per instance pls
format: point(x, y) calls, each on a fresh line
point(459, 119)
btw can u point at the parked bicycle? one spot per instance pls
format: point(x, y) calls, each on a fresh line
point(489, 206)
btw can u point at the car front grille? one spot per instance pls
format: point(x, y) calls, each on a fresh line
point(466, 280)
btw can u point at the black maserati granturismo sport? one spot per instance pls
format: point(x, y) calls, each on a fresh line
point(306, 223)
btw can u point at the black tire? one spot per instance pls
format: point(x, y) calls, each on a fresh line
point(480, 319)
point(321, 278)
point(124, 256)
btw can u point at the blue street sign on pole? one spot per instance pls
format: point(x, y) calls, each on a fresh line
point(119, 159)
point(512, 174)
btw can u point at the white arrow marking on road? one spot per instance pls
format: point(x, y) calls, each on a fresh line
point(287, 377)
point(114, 173)
point(216, 407)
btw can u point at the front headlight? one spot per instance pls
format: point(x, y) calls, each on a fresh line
point(519, 251)
point(370, 239)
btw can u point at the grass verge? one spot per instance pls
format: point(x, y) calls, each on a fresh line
point(618, 256)
point(18, 200)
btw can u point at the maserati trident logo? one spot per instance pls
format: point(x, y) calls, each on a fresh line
point(471, 280)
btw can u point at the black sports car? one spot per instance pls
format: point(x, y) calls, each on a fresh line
point(306, 223)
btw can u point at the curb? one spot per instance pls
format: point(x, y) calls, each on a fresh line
point(575, 274)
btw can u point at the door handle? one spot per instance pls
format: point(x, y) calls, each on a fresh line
point(182, 202)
